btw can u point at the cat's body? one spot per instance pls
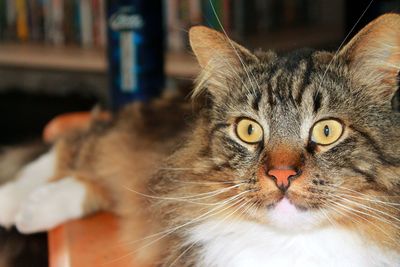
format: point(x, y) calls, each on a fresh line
point(293, 161)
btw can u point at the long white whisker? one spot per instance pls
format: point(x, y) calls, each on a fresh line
point(191, 198)
point(221, 204)
point(183, 253)
point(234, 48)
point(327, 216)
point(368, 214)
point(181, 226)
point(370, 198)
point(215, 225)
point(368, 208)
point(345, 208)
point(170, 231)
point(387, 204)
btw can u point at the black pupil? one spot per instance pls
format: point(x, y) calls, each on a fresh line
point(250, 129)
point(326, 130)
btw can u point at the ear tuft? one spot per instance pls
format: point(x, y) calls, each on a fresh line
point(210, 45)
point(204, 41)
point(220, 59)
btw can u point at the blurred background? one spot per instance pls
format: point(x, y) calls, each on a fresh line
point(59, 56)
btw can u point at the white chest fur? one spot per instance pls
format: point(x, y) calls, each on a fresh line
point(244, 244)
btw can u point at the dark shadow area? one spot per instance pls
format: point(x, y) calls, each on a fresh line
point(23, 116)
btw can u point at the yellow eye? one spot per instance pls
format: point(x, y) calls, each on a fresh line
point(326, 132)
point(249, 131)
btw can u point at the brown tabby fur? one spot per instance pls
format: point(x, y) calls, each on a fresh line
point(109, 155)
point(356, 180)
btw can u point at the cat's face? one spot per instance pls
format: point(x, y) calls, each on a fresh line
point(312, 139)
point(316, 136)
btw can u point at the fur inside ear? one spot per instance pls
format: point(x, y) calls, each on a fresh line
point(374, 54)
point(219, 57)
point(211, 46)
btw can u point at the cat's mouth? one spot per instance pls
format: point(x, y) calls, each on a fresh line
point(287, 214)
point(284, 201)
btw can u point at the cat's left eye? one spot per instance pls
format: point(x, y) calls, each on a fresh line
point(249, 131)
point(326, 132)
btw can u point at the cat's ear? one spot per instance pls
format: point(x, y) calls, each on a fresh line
point(373, 55)
point(214, 48)
point(219, 57)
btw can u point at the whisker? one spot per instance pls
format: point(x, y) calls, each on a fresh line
point(345, 208)
point(388, 204)
point(365, 207)
point(234, 72)
point(188, 198)
point(209, 182)
point(215, 225)
point(368, 214)
point(181, 226)
point(369, 198)
point(166, 233)
point(344, 211)
point(357, 192)
point(234, 48)
point(183, 253)
point(327, 216)
point(221, 204)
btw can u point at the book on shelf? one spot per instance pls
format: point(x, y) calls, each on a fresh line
point(3, 18)
point(83, 22)
point(22, 20)
point(241, 18)
point(86, 23)
point(56, 22)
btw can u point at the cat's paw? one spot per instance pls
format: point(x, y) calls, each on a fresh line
point(51, 205)
point(10, 200)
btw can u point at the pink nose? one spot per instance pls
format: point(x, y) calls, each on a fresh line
point(281, 176)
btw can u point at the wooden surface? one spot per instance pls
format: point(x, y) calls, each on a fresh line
point(81, 59)
point(52, 57)
point(89, 242)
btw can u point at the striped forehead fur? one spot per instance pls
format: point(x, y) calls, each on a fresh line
point(280, 78)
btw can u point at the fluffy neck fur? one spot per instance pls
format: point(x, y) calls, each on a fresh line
point(241, 244)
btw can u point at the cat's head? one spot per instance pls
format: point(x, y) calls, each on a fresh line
point(312, 137)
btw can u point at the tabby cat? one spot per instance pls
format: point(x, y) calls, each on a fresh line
point(291, 160)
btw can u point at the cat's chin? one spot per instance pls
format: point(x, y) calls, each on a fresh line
point(288, 216)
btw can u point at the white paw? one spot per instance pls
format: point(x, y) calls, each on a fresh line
point(30, 177)
point(10, 200)
point(51, 205)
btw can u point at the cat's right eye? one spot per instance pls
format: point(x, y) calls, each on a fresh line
point(326, 132)
point(249, 131)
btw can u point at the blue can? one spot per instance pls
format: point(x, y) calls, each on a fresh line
point(135, 50)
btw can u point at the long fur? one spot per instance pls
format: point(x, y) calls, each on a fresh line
point(173, 176)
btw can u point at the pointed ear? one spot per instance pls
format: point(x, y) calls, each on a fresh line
point(213, 47)
point(374, 55)
point(219, 57)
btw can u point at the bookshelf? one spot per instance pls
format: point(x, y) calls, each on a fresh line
point(78, 59)
point(56, 47)
point(178, 64)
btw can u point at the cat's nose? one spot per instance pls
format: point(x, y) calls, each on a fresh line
point(282, 175)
